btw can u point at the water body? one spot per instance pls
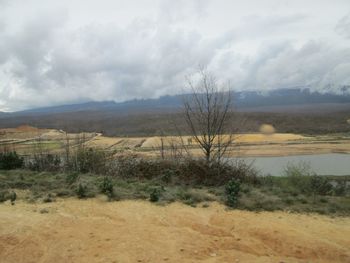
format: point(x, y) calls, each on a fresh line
point(322, 164)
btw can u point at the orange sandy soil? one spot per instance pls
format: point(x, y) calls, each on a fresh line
point(137, 231)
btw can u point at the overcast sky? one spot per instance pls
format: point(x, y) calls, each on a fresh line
point(68, 51)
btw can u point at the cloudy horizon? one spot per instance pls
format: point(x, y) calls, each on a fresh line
point(61, 52)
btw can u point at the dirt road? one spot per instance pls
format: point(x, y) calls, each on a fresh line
point(133, 231)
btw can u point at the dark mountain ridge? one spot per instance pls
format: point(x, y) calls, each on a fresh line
point(243, 101)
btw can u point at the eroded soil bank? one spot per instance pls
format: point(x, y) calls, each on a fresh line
point(137, 231)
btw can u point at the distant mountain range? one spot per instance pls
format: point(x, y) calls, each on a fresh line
point(244, 101)
point(288, 110)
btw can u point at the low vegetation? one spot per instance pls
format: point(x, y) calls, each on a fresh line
point(190, 181)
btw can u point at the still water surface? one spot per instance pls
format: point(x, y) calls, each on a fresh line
point(322, 164)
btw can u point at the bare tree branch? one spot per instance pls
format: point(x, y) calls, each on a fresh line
point(206, 112)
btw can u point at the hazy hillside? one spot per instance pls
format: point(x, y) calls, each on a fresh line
point(289, 110)
point(146, 124)
point(245, 101)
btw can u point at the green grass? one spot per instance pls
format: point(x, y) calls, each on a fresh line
point(271, 194)
point(285, 197)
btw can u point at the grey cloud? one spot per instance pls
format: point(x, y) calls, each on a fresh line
point(309, 65)
point(315, 64)
point(343, 26)
point(4, 2)
point(46, 63)
point(257, 26)
point(173, 11)
point(101, 61)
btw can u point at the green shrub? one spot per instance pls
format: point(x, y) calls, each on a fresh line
point(72, 177)
point(81, 191)
point(4, 196)
point(10, 160)
point(320, 185)
point(302, 200)
point(106, 186)
point(266, 180)
point(298, 176)
point(168, 175)
point(301, 178)
point(232, 192)
point(294, 171)
point(90, 161)
point(13, 197)
point(323, 200)
point(63, 192)
point(154, 195)
point(245, 188)
point(48, 199)
point(340, 188)
point(288, 201)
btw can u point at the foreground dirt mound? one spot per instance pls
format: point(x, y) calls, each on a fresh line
point(134, 231)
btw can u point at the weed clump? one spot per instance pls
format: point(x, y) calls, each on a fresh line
point(49, 198)
point(4, 196)
point(106, 187)
point(81, 191)
point(13, 197)
point(155, 195)
point(72, 178)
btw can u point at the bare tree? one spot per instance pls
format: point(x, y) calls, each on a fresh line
point(67, 152)
point(170, 147)
point(207, 111)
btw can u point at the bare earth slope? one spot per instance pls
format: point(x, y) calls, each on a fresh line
point(135, 231)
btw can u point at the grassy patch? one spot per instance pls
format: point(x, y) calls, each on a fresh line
point(270, 194)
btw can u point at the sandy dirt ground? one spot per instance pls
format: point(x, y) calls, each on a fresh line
point(24, 138)
point(156, 141)
point(246, 145)
point(134, 231)
point(239, 138)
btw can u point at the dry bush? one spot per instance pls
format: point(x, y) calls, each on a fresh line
point(199, 172)
point(91, 161)
point(186, 172)
point(44, 162)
